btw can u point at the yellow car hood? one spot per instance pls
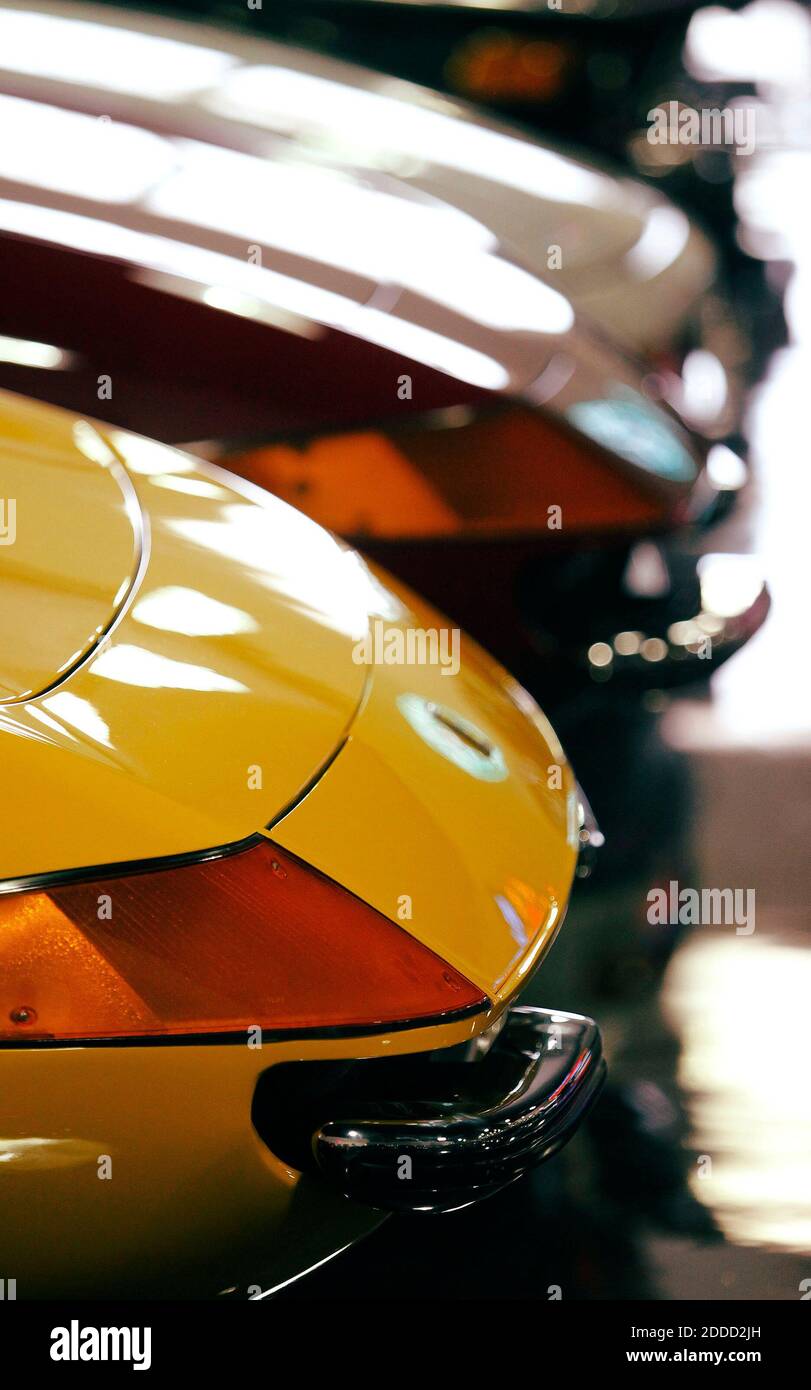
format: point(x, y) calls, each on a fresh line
point(175, 647)
point(451, 808)
point(187, 655)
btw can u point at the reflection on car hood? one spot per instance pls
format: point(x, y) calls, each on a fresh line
point(458, 812)
point(74, 534)
point(205, 695)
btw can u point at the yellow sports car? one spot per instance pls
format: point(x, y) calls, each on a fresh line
point(279, 851)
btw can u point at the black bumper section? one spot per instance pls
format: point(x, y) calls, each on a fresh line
point(488, 1123)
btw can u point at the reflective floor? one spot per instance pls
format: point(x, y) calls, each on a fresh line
point(693, 1177)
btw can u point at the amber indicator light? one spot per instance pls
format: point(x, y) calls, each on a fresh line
point(254, 939)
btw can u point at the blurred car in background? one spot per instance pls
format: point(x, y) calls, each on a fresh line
point(562, 547)
point(247, 248)
point(625, 256)
point(585, 72)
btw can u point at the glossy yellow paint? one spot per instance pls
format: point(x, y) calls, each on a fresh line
point(472, 850)
point(58, 592)
point(224, 683)
point(194, 1205)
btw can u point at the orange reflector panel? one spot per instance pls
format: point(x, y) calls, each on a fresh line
point(494, 474)
point(254, 939)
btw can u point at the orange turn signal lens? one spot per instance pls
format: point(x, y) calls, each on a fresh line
point(255, 939)
point(489, 473)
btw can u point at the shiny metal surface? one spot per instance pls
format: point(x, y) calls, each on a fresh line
point(498, 1118)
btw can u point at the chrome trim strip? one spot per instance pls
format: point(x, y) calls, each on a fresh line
point(62, 878)
point(543, 1072)
point(590, 837)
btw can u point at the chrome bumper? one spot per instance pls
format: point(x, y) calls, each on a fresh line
point(485, 1125)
